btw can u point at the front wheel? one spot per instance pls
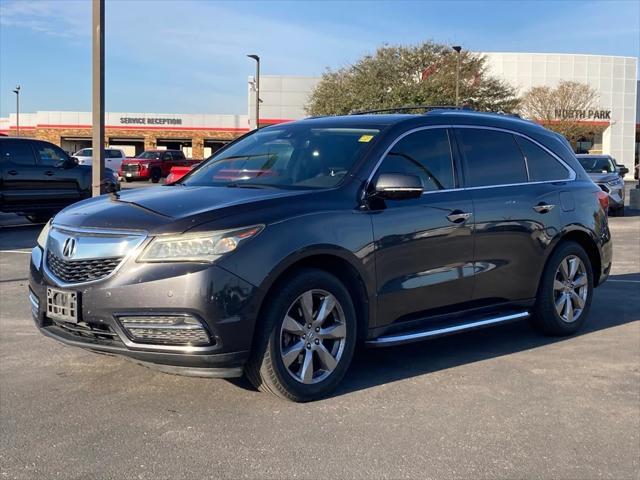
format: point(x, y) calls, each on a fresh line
point(565, 292)
point(305, 344)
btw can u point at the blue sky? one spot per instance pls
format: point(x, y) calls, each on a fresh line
point(189, 56)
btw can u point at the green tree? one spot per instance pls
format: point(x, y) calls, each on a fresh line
point(398, 76)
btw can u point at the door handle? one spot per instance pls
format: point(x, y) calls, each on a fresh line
point(48, 173)
point(12, 172)
point(458, 217)
point(543, 207)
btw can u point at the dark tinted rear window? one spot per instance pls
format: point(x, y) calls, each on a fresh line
point(491, 157)
point(542, 166)
point(17, 152)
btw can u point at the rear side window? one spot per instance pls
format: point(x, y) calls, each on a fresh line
point(17, 152)
point(542, 165)
point(426, 154)
point(113, 154)
point(491, 157)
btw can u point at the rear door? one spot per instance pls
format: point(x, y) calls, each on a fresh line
point(20, 176)
point(424, 246)
point(516, 210)
point(59, 182)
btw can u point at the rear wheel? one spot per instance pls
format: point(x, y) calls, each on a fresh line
point(306, 341)
point(156, 175)
point(565, 292)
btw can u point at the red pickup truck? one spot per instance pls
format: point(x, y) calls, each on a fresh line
point(153, 165)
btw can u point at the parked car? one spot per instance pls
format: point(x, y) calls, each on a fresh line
point(176, 173)
point(381, 229)
point(113, 157)
point(38, 178)
point(609, 176)
point(153, 165)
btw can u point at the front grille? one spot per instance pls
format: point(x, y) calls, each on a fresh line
point(130, 167)
point(88, 331)
point(77, 271)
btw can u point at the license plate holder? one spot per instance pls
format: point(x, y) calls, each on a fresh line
point(62, 305)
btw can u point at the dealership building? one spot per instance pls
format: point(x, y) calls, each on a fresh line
point(613, 124)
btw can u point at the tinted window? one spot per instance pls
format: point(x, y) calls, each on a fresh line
point(113, 154)
point(542, 166)
point(425, 154)
point(178, 155)
point(49, 155)
point(166, 156)
point(85, 152)
point(491, 157)
point(17, 152)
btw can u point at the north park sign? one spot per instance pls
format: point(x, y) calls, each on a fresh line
point(565, 114)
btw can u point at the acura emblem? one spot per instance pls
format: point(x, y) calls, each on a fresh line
point(69, 247)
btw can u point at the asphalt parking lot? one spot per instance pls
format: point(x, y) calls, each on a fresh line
point(496, 403)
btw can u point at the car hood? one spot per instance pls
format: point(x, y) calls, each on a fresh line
point(165, 209)
point(603, 177)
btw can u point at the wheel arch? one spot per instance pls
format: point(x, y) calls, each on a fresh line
point(335, 262)
point(585, 239)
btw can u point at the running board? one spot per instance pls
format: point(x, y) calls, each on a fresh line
point(417, 335)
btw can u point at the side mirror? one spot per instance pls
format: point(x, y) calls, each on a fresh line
point(72, 162)
point(623, 171)
point(398, 186)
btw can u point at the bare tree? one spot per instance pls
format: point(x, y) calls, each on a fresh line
point(561, 109)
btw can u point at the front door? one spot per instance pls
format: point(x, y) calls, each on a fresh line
point(424, 246)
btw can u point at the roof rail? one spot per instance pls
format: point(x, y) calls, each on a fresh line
point(426, 108)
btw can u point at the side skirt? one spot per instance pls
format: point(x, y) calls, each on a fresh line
point(442, 330)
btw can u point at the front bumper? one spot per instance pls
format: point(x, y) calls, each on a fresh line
point(616, 195)
point(220, 300)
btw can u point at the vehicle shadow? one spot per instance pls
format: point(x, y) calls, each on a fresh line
point(19, 237)
point(614, 304)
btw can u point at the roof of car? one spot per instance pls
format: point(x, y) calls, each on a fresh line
point(433, 117)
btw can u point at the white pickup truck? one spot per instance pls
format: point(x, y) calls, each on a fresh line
point(113, 157)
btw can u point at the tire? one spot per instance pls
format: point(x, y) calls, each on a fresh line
point(38, 218)
point(266, 368)
point(552, 315)
point(620, 212)
point(156, 175)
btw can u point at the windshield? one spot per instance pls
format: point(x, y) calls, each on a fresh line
point(149, 155)
point(292, 156)
point(85, 152)
point(597, 164)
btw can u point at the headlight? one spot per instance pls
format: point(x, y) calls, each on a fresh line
point(42, 238)
point(616, 183)
point(197, 247)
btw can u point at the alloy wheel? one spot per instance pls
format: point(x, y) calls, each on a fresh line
point(570, 288)
point(313, 336)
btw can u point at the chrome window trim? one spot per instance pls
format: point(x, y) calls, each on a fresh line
point(570, 171)
point(96, 232)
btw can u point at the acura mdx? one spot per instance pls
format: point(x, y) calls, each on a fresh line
point(295, 243)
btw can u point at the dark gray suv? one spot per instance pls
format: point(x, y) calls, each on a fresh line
point(280, 253)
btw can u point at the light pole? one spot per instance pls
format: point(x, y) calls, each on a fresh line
point(257, 80)
point(17, 92)
point(458, 49)
point(97, 94)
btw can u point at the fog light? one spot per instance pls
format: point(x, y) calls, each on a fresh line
point(166, 329)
